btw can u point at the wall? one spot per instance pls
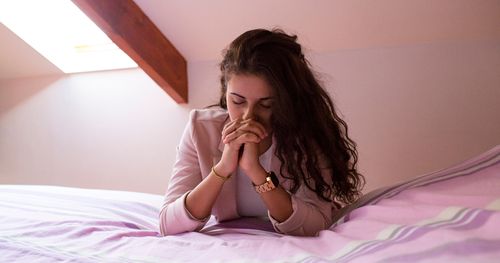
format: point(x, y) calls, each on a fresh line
point(112, 130)
point(411, 110)
point(417, 109)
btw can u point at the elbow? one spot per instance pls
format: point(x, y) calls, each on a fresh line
point(309, 231)
point(174, 221)
point(306, 220)
point(165, 230)
point(163, 224)
point(308, 227)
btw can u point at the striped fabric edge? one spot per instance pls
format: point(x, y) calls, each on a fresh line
point(468, 167)
point(451, 217)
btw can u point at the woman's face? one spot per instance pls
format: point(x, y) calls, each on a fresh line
point(250, 97)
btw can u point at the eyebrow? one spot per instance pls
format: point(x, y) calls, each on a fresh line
point(238, 95)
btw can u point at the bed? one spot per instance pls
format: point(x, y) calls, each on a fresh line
point(452, 215)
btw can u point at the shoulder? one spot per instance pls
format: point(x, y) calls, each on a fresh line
point(208, 123)
point(215, 115)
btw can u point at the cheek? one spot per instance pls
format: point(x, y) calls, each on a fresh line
point(265, 119)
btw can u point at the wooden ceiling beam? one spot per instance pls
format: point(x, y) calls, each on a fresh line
point(132, 31)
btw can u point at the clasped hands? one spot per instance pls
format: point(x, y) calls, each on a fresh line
point(241, 135)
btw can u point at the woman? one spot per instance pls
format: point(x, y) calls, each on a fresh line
point(274, 147)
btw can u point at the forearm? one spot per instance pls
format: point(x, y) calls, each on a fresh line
point(277, 201)
point(200, 200)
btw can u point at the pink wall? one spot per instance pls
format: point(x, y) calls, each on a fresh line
point(417, 109)
point(411, 110)
point(114, 130)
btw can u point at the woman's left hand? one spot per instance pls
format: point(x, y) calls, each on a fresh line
point(250, 158)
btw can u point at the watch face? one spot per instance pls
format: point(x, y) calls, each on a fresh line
point(274, 179)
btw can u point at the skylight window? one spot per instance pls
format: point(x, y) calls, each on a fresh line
point(63, 34)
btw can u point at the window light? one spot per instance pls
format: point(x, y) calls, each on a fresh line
point(63, 34)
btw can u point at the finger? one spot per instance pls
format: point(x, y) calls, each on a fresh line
point(231, 126)
point(232, 130)
point(254, 122)
point(255, 127)
point(231, 136)
point(247, 137)
point(242, 136)
point(231, 123)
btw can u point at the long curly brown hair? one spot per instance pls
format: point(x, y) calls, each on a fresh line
point(309, 133)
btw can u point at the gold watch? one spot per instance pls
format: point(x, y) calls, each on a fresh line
point(271, 183)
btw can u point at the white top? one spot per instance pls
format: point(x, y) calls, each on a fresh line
point(248, 201)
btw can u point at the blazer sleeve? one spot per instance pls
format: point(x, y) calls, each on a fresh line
point(186, 175)
point(310, 215)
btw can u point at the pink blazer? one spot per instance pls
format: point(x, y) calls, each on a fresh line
point(200, 148)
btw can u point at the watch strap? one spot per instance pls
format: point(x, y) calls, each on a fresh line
point(270, 184)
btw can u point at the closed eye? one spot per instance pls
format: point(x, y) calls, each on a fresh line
point(238, 102)
point(266, 105)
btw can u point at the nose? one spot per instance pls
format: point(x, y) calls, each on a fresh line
point(249, 113)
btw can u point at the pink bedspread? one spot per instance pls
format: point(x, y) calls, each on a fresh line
point(448, 216)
